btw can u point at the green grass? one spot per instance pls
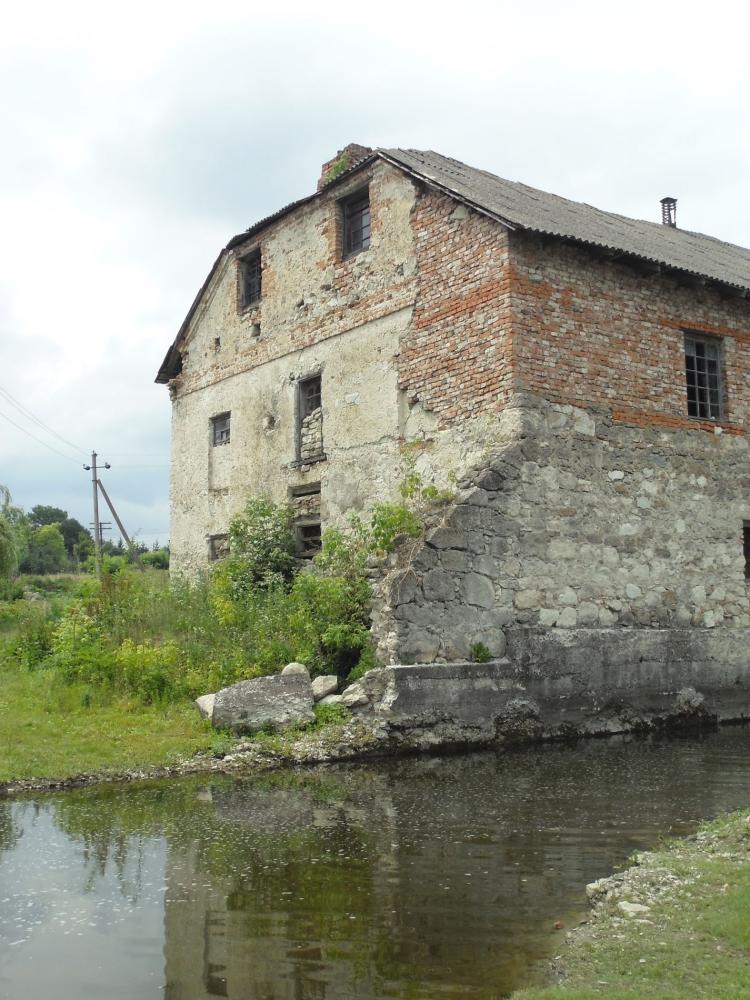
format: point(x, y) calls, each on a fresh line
point(696, 943)
point(47, 731)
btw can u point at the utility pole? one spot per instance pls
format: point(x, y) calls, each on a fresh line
point(97, 526)
point(99, 485)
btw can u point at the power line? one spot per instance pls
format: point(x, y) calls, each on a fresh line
point(38, 440)
point(29, 415)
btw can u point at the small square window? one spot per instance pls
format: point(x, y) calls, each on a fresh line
point(703, 377)
point(220, 429)
point(218, 547)
point(355, 217)
point(249, 279)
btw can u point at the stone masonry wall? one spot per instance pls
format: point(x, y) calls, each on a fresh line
point(577, 520)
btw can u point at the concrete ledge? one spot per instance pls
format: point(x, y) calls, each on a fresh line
point(557, 682)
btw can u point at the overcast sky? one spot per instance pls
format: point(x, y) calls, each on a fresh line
point(137, 138)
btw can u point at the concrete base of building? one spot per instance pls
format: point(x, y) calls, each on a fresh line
point(556, 683)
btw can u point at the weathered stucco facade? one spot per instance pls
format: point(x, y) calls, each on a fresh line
point(541, 363)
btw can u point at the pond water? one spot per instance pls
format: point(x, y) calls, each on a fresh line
point(421, 878)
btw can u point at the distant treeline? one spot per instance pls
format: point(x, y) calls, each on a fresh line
point(46, 540)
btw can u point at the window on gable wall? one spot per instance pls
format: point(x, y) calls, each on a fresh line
point(355, 218)
point(249, 279)
point(220, 429)
point(703, 377)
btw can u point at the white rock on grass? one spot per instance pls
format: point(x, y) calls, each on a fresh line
point(633, 909)
point(331, 699)
point(325, 685)
point(295, 668)
point(205, 705)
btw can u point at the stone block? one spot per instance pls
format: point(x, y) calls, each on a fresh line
point(568, 618)
point(332, 699)
point(478, 590)
point(527, 600)
point(446, 538)
point(455, 560)
point(295, 668)
point(205, 705)
point(438, 585)
point(324, 686)
point(486, 565)
point(354, 696)
point(275, 702)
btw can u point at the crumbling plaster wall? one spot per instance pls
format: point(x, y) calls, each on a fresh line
point(394, 341)
point(317, 313)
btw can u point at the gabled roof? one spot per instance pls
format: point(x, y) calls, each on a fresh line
point(524, 207)
point(518, 206)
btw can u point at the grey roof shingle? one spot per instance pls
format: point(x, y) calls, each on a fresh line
point(527, 208)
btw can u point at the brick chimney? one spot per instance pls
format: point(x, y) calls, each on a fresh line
point(343, 160)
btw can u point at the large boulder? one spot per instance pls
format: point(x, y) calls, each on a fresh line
point(276, 702)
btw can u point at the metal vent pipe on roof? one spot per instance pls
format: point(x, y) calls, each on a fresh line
point(669, 212)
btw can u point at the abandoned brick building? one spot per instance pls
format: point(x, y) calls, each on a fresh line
point(585, 375)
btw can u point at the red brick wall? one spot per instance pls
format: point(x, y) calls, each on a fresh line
point(591, 332)
point(456, 357)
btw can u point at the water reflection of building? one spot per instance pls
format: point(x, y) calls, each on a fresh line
point(421, 877)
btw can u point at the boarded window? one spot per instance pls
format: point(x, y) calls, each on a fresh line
point(220, 429)
point(305, 501)
point(355, 217)
point(250, 279)
point(218, 547)
point(310, 420)
point(703, 377)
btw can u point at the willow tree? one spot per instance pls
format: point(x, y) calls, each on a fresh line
point(8, 552)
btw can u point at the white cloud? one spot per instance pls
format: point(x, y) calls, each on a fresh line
point(137, 140)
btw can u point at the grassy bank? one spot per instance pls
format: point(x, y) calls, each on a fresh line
point(50, 730)
point(688, 934)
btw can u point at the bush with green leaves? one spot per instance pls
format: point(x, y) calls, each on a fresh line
point(141, 635)
point(261, 540)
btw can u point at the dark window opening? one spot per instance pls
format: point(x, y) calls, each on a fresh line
point(305, 502)
point(250, 279)
point(310, 419)
point(220, 429)
point(310, 396)
point(355, 212)
point(218, 547)
point(703, 377)
point(746, 547)
point(308, 538)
